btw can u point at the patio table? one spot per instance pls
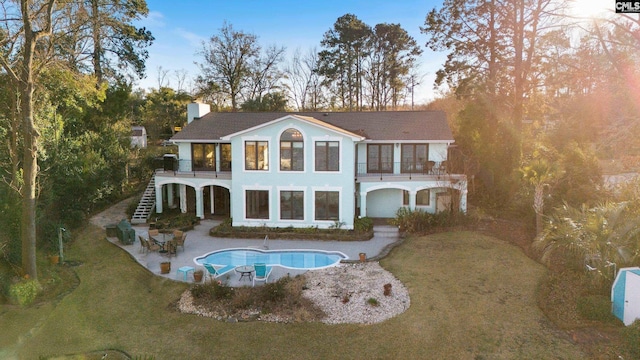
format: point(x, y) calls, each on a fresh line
point(245, 271)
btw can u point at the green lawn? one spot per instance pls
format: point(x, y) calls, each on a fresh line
point(472, 297)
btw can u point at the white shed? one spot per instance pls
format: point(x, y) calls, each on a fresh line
point(625, 295)
point(138, 137)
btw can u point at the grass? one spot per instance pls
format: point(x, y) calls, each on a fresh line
point(472, 297)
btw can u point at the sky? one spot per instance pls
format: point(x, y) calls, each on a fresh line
point(180, 27)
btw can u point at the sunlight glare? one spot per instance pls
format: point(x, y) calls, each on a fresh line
point(591, 9)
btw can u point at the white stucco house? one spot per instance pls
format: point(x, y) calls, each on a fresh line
point(138, 137)
point(309, 169)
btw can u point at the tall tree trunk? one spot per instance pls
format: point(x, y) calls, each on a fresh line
point(97, 41)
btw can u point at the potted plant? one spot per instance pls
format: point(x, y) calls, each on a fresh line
point(54, 259)
point(165, 267)
point(197, 275)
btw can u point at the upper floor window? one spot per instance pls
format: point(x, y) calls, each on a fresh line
point(414, 157)
point(256, 155)
point(203, 156)
point(291, 151)
point(380, 158)
point(327, 156)
point(225, 157)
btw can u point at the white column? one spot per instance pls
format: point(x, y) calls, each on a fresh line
point(230, 204)
point(212, 199)
point(412, 200)
point(183, 198)
point(363, 204)
point(199, 203)
point(170, 202)
point(159, 199)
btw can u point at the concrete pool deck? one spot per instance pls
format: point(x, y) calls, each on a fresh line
point(199, 242)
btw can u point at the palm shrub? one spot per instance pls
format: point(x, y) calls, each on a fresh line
point(604, 237)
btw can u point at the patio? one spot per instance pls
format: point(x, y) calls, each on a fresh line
point(199, 242)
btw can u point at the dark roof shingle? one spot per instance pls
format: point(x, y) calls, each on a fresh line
point(384, 125)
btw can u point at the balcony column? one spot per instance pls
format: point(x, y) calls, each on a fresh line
point(199, 203)
point(159, 199)
point(463, 197)
point(230, 203)
point(217, 147)
point(363, 204)
point(170, 202)
point(183, 197)
point(412, 200)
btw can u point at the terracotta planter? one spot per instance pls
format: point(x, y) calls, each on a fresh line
point(363, 257)
point(165, 267)
point(197, 276)
point(54, 259)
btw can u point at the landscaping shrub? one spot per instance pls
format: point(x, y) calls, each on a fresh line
point(213, 290)
point(25, 291)
point(363, 224)
point(274, 292)
point(419, 221)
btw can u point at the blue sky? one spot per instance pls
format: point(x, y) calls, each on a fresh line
point(179, 27)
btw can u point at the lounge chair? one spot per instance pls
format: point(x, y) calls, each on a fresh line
point(216, 273)
point(262, 273)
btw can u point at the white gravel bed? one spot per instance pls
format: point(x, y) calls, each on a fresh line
point(343, 292)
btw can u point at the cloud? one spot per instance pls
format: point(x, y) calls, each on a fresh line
point(153, 19)
point(194, 39)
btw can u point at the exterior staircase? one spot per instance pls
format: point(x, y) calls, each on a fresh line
point(146, 204)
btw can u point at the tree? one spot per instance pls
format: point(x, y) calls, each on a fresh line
point(493, 48)
point(540, 174)
point(304, 82)
point(393, 55)
point(264, 74)
point(346, 46)
point(19, 45)
point(164, 109)
point(269, 102)
point(227, 61)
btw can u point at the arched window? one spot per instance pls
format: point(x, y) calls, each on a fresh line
point(291, 151)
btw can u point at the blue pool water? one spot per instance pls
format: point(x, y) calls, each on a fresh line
point(292, 259)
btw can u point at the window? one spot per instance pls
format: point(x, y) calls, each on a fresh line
point(257, 204)
point(327, 205)
point(414, 157)
point(327, 156)
point(292, 205)
point(225, 157)
point(380, 158)
point(256, 155)
point(422, 198)
point(291, 151)
point(203, 157)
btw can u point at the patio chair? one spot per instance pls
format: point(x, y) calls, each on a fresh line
point(216, 273)
point(171, 249)
point(180, 240)
point(262, 273)
point(148, 245)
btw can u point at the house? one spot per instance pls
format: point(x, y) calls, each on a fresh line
point(309, 169)
point(625, 295)
point(138, 137)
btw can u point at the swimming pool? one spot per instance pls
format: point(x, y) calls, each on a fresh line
point(291, 259)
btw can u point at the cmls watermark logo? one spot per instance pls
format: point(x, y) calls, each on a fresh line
point(626, 7)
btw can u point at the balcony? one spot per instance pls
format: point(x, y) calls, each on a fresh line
point(171, 166)
point(399, 171)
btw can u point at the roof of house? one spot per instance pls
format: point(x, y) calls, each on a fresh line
point(378, 126)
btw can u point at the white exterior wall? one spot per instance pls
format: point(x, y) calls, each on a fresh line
point(309, 181)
